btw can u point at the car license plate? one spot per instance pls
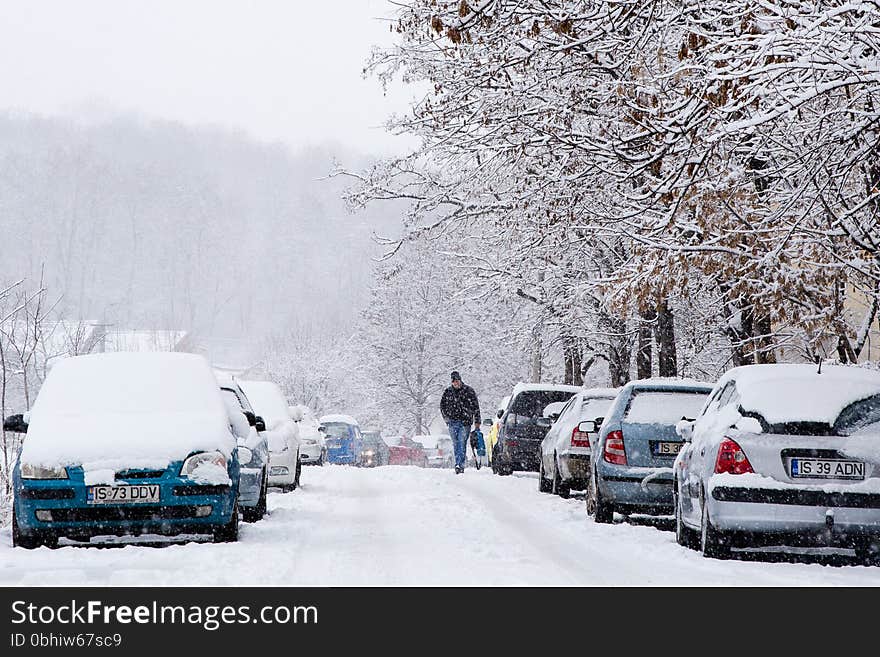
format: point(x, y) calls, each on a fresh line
point(666, 448)
point(827, 469)
point(124, 494)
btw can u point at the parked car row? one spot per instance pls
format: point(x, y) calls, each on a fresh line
point(148, 444)
point(781, 455)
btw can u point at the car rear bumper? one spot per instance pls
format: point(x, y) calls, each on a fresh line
point(810, 516)
point(636, 490)
point(575, 467)
point(524, 455)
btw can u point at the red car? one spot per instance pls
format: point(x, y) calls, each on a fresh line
point(403, 450)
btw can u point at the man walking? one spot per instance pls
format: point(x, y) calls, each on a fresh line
point(460, 408)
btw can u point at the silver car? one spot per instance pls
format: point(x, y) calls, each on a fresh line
point(782, 455)
point(565, 450)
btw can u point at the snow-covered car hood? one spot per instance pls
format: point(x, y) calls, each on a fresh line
point(123, 440)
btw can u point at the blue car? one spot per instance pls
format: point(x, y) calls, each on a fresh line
point(126, 444)
point(343, 438)
point(636, 445)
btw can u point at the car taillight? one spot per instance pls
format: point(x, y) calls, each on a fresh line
point(579, 438)
point(614, 451)
point(512, 443)
point(731, 459)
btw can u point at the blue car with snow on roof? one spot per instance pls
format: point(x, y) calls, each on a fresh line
point(126, 444)
point(342, 435)
point(783, 455)
point(634, 448)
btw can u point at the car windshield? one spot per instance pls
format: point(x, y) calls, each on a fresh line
point(530, 404)
point(663, 407)
point(858, 415)
point(371, 441)
point(336, 430)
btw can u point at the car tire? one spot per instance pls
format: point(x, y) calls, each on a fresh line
point(684, 535)
point(561, 488)
point(602, 511)
point(868, 553)
point(259, 511)
point(544, 486)
point(712, 543)
point(297, 473)
point(228, 533)
point(30, 541)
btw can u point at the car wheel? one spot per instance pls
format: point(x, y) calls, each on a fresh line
point(868, 553)
point(684, 535)
point(297, 474)
point(597, 507)
point(30, 541)
point(561, 488)
point(228, 533)
point(543, 484)
point(712, 542)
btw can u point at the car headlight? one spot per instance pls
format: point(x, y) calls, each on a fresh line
point(29, 471)
point(194, 461)
point(245, 455)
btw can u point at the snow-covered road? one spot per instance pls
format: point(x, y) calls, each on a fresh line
point(410, 526)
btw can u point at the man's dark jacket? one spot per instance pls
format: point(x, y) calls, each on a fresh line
point(460, 404)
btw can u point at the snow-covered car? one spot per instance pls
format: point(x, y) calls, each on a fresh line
point(253, 453)
point(403, 450)
point(126, 444)
point(518, 445)
point(343, 437)
point(636, 445)
point(312, 447)
point(374, 451)
point(783, 455)
point(282, 433)
point(438, 449)
point(565, 450)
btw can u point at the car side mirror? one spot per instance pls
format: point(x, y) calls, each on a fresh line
point(544, 422)
point(251, 418)
point(259, 423)
point(499, 414)
point(587, 426)
point(598, 422)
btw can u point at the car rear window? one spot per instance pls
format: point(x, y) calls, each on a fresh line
point(593, 408)
point(662, 407)
point(336, 430)
point(530, 404)
point(858, 415)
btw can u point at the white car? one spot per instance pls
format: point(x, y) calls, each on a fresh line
point(282, 432)
point(312, 446)
point(782, 455)
point(565, 450)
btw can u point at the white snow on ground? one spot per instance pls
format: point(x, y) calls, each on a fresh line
point(413, 526)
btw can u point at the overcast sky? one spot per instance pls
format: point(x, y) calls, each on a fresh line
point(279, 69)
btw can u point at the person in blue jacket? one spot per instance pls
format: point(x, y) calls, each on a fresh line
point(460, 409)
